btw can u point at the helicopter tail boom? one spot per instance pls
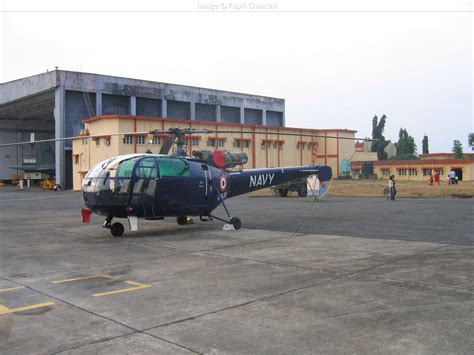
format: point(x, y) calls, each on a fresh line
point(246, 181)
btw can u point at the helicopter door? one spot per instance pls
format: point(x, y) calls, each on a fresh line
point(145, 187)
point(172, 190)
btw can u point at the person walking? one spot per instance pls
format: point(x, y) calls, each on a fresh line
point(431, 178)
point(391, 186)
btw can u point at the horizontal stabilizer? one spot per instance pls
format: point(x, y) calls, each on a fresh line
point(324, 172)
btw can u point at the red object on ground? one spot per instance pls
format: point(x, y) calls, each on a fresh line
point(86, 215)
point(219, 159)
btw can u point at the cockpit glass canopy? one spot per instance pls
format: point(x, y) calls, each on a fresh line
point(116, 180)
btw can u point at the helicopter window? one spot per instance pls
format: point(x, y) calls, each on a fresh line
point(125, 168)
point(147, 169)
point(173, 167)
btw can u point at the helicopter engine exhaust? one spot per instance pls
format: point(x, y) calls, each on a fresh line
point(222, 159)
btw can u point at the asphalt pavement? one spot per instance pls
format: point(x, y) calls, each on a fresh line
point(345, 275)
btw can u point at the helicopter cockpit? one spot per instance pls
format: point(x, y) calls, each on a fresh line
point(130, 180)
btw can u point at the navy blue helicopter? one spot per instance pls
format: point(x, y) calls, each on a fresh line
point(154, 186)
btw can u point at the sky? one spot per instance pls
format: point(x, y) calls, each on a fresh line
point(336, 63)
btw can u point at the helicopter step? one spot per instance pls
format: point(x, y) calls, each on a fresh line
point(155, 218)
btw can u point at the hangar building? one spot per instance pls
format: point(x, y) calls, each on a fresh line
point(55, 103)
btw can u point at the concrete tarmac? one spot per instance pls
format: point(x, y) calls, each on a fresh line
point(347, 275)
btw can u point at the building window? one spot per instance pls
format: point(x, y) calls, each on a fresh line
point(412, 172)
point(195, 141)
point(97, 141)
point(440, 171)
point(246, 144)
point(220, 142)
point(211, 142)
point(402, 172)
point(127, 139)
point(76, 159)
point(300, 145)
point(386, 172)
point(356, 172)
point(275, 144)
point(140, 139)
point(156, 140)
point(236, 143)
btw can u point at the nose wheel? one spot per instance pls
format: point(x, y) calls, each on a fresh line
point(116, 229)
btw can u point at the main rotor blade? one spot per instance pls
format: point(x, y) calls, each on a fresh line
point(73, 137)
point(295, 135)
point(173, 132)
point(167, 144)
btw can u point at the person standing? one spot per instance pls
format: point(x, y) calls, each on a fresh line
point(452, 177)
point(436, 177)
point(391, 186)
point(431, 178)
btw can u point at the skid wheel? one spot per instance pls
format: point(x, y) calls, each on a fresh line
point(236, 222)
point(182, 220)
point(117, 229)
point(303, 191)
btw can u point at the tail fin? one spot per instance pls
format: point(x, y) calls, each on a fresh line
point(325, 173)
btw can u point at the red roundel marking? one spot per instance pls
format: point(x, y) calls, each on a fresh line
point(222, 183)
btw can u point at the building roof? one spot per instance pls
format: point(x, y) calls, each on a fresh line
point(442, 155)
point(57, 73)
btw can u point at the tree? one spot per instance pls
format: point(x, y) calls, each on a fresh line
point(457, 150)
point(377, 133)
point(470, 140)
point(406, 147)
point(424, 145)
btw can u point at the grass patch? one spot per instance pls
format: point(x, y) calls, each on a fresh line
point(374, 188)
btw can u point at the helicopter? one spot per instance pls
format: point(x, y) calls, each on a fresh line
point(154, 186)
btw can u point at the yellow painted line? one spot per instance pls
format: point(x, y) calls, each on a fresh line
point(32, 198)
point(110, 277)
point(12, 288)
point(4, 310)
point(139, 286)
